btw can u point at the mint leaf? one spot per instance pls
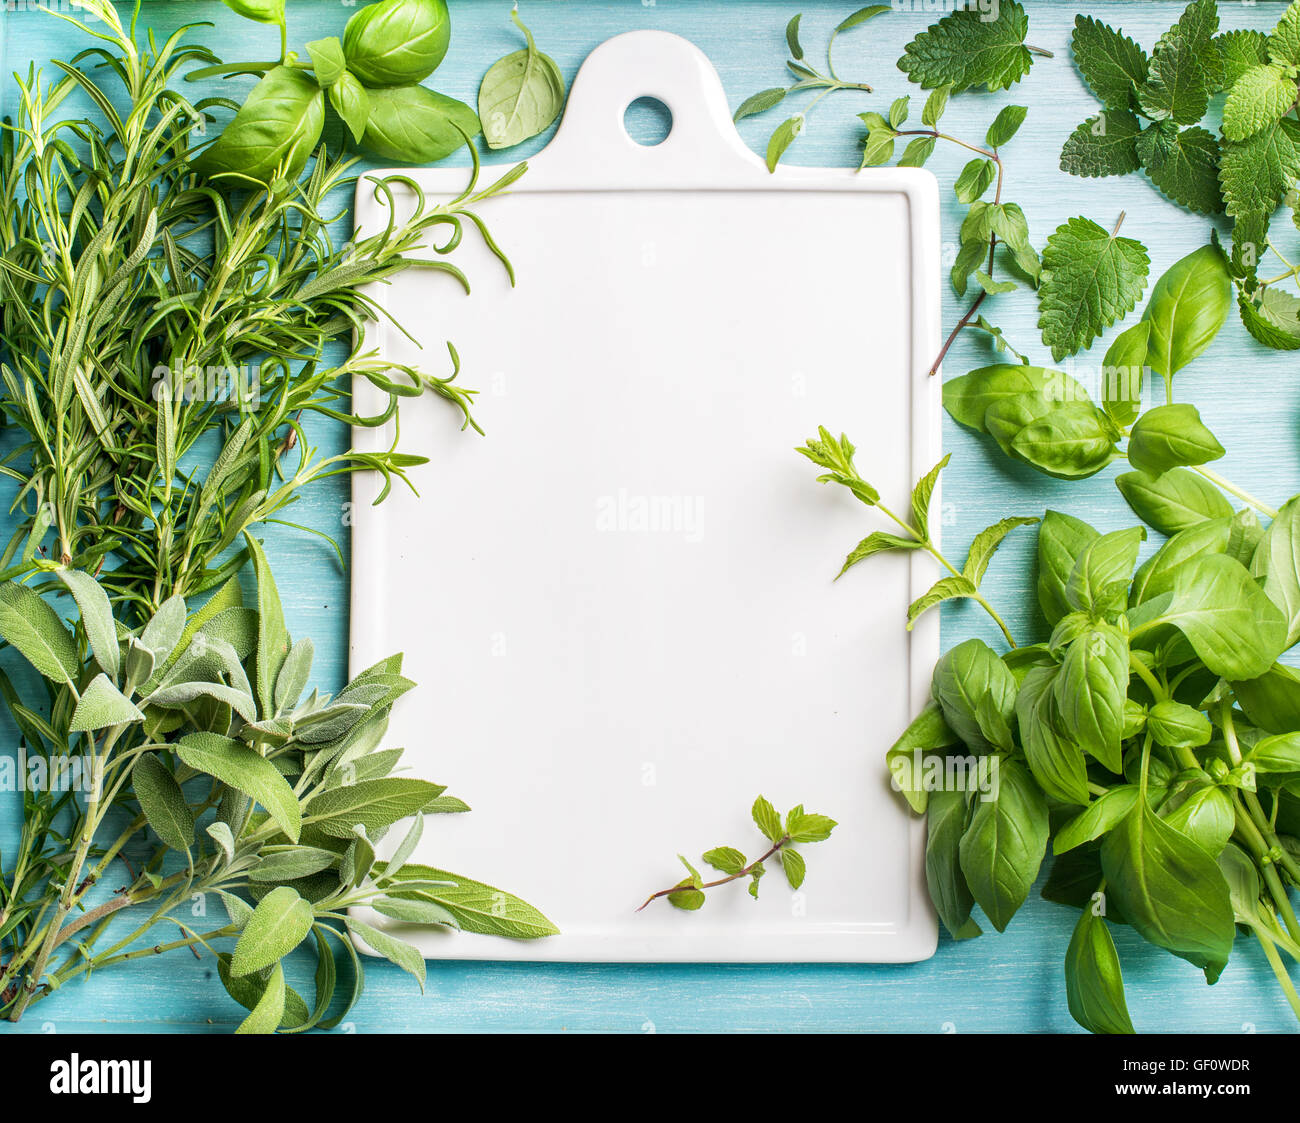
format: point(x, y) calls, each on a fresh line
point(1259, 97)
point(802, 826)
point(966, 49)
point(767, 820)
point(1183, 163)
point(1240, 50)
point(1000, 341)
point(1284, 43)
point(1257, 172)
point(795, 868)
point(974, 180)
point(986, 544)
point(1274, 320)
point(726, 859)
point(686, 897)
point(1195, 30)
point(878, 541)
point(1005, 125)
point(1102, 145)
point(1090, 279)
point(1110, 62)
point(1177, 88)
point(946, 588)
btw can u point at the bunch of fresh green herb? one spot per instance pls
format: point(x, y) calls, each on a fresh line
point(129, 280)
point(965, 51)
point(520, 95)
point(1151, 104)
point(370, 79)
point(200, 720)
point(140, 320)
point(1151, 737)
point(807, 77)
point(799, 826)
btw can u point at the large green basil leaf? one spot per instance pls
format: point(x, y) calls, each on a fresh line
point(1170, 890)
point(1056, 762)
point(1100, 816)
point(1004, 845)
point(968, 397)
point(1173, 501)
point(1071, 442)
point(273, 133)
point(1277, 561)
point(351, 102)
point(1090, 692)
point(1121, 373)
point(1229, 621)
point(977, 694)
point(927, 733)
point(1094, 986)
point(1204, 814)
point(1187, 307)
point(1170, 437)
point(416, 125)
point(264, 11)
point(1271, 701)
point(1098, 583)
point(1156, 574)
point(1061, 539)
point(523, 93)
point(397, 42)
point(948, 889)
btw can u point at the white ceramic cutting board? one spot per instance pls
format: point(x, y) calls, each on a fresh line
point(618, 604)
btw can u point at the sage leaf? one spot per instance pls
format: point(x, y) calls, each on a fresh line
point(781, 139)
point(280, 922)
point(272, 635)
point(477, 907)
point(102, 705)
point(267, 1014)
point(375, 804)
point(34, 628)
point(291, 864)
point(520, 95)
point(234, 763)
point(96, 618)
point(760, 102)
point(163, 803)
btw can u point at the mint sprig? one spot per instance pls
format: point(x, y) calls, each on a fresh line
point(799, 827)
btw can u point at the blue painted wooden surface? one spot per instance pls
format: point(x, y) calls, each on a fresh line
point(1249, 396)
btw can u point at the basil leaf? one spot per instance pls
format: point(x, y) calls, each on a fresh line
point(1097, 819)
point(1094, 986)
point(1277, 561)
point(263, 11)
point(1205, 815)
point(1156, 575)
point(1271, 701)
point(1071, 442)
point(1233, 626)
point(416, 125)
point(1170, 890)
point(1173, 501)
point(272, 134)
point(1090, 692)
point(1055, 760)
point(927, 733)
point(1177, 725)
point(352, 103)
point(781, 139)
point(1098, 583)
point(1061, 539)
point(1003, 847)
point(951, 895)
point(1171, 436)
point(1187, 307)
point(520, 95)
point(397, 42)
point(963, 677)
point(327, 60)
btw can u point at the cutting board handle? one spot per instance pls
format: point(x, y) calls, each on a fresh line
point(659, 65)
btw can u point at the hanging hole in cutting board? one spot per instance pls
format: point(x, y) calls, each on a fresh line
point(648, 121)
